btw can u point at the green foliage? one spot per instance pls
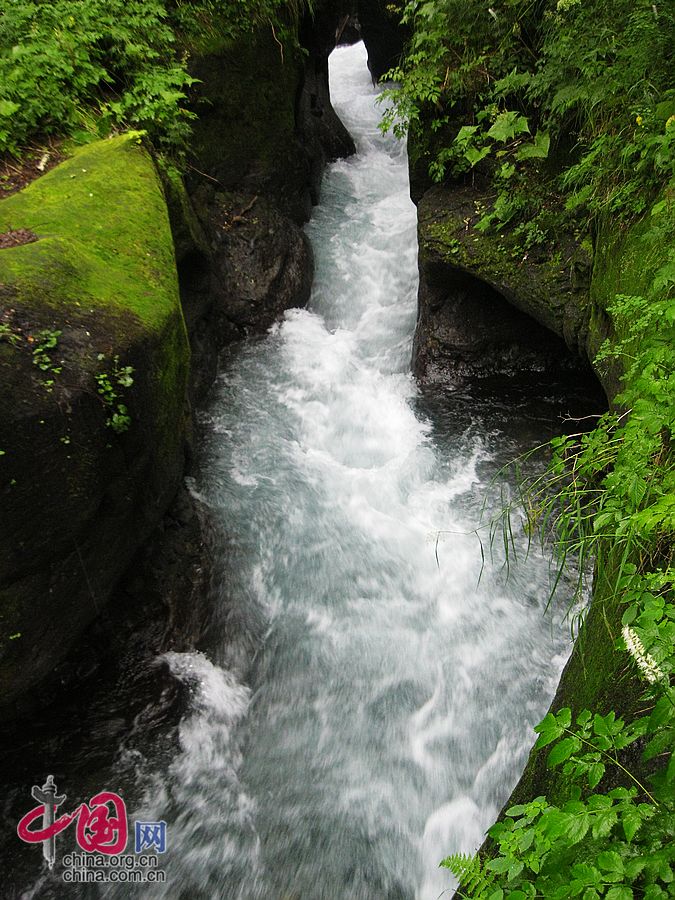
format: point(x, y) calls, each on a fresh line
point(43, 344)
point(59, 60)
point(617, 843)
point(109, 385)
point(557, 852)
point(585, 82)
point(89, 67)
point(8, 335)
point(45, 340)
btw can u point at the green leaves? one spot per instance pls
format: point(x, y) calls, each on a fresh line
point(619, 892)
point(563, 750)
point(473, 155)
point(538, 149)
point(611, 864)
point(8, 108)
point(73, 66)
point(507, 126)
point(552, 727)
point(592, 845)
point(109, 384)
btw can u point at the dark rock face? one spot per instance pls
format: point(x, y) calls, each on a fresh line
point(262, 264)
point(382, 34)
point(245, 136)
point(467, 330)
point(349, 31)
point(266, 131)
point(487, 306)
point(266, 124)
point(325, 138)
point(241, 263)
point(323, 135)
point(162, 603)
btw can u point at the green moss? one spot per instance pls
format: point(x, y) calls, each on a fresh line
point(188, 234)
point(552, 287)
point(501, 260)
point(628, 257)
point(626, 261)
point(104, 254)
point(104, 234)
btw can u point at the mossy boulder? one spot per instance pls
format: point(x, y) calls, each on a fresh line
point(94, 362)
point(487, 304)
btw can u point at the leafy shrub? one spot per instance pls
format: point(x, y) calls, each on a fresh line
point(58, 59)
point(586, 81)
point(77, 66)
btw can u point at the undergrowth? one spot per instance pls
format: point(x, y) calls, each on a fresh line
point(563, 111)
point(566, 103)
point(86, 68)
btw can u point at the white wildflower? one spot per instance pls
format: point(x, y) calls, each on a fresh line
point(645, 661)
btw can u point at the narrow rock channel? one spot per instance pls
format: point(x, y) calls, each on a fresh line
point(364, 700)
point(367, 707)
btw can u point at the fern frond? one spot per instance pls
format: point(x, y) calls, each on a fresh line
point(474, 882)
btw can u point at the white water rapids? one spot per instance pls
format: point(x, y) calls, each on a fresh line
point(389, 707)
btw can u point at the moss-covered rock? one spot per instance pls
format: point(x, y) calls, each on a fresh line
point(466, 277)
point(94, 360)
point(598, 675)
point(625, 261)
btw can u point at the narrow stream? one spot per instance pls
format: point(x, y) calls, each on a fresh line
point(389, 707)
point(366, 693)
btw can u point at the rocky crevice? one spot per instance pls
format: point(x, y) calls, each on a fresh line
point(486, 304)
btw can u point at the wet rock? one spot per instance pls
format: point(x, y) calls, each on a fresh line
point(383, 35)
point(486, 306)
point(265, 132)
point(92, 330)
point(265, 121)
point(349, 31)
point(262, 264)
point(161, 604)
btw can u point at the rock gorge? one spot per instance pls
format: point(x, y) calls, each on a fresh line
point(221, 254)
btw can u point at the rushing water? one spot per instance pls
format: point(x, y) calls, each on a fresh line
point(366, 698)
point(389, 707)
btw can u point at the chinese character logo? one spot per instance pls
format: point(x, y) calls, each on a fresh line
point(50, 801)
point(149, 835)
point(101, 824)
